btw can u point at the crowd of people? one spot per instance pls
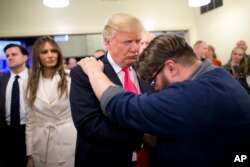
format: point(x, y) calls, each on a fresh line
point(143, 101)
point(237, 65)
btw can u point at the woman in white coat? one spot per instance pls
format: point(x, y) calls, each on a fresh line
point(50, 132)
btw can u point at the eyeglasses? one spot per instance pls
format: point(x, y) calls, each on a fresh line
point(151, 81)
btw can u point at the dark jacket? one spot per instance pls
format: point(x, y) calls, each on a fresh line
point(10, 138)
point(99, 142)
point(199, 123)
point(3, 84)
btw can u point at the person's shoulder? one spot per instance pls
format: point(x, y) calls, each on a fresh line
point(104, 59)
point(220, 72)
point(4, 76)
point(77, 73)
point(227, 67)
point(4, 80)
point(76, 69)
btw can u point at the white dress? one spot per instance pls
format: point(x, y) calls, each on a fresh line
point(50, 132)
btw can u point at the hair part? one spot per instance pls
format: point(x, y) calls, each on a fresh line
point(23, 50)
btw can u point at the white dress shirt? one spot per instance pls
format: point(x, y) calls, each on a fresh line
point(23, 75)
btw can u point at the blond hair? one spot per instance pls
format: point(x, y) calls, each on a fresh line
point(121, 22)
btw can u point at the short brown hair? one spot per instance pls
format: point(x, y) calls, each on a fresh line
point(23, 50)
point(164, 47)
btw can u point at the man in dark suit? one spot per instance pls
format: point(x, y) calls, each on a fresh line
point(100, 142)
point(13, 148)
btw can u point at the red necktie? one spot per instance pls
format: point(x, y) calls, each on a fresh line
point(141, 154)
point(128, 84)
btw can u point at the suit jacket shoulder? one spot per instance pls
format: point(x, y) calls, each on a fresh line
point(87, 114)
point(3, 84)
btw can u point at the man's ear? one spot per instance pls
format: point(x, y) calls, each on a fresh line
point(171, 66)
point(25, 58)
point(107, 43)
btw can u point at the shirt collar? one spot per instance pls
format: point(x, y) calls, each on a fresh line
point(23, 74)
point(205, 66)
point(115, 66)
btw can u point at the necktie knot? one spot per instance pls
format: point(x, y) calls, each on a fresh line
point(125, 70)
point(17, 77)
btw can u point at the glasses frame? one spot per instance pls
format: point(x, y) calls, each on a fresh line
point(151, 81)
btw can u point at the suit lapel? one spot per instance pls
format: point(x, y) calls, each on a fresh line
point(52, 90)
point(53, 94)
point(110, 72)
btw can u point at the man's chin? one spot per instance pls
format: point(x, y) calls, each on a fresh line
point(130, 62)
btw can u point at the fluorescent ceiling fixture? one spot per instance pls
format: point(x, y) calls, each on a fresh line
point(56, 3)
point(198, 3)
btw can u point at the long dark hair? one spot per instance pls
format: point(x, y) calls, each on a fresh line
point(37, 68)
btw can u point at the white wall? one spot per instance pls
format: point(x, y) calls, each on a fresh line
point(221, 27)
point(30, 17)
point(224, 26)
point(76, 46)
point(81, 45)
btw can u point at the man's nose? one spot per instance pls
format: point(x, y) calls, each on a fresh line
point(134, 46)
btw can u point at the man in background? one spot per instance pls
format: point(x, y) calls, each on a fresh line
point(98, 53)
point(12, 123)
point(243, 45)
point(201, 49)
point(146, 38)
point(72, 63)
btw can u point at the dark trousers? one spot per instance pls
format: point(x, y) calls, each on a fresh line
point(14, 147)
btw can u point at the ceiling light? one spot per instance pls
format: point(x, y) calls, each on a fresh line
point(198, 3)
point(56, 3)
